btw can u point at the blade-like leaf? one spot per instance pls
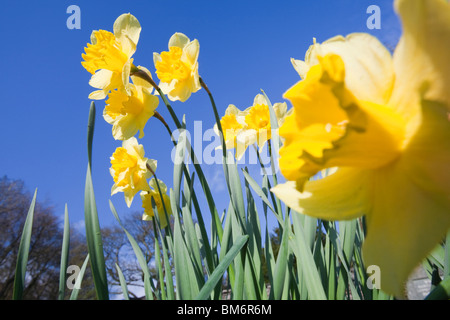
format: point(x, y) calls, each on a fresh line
point(93, 234)
point(305, 257)
point(94, 240)
point(281, 271)
point(138, 252)
point(220, 269)
point(123, 283)
point(22, 255)
point(64, 255)
point(77, 286)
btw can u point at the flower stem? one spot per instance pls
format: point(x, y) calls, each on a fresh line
point(212, 206)
point(216, 115)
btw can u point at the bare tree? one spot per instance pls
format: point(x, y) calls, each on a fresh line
point(42, 276)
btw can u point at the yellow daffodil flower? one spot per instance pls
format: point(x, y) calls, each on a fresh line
point(108, 56)
point(177, 69)
point(160, 202)
point(383, 122)
point(129, 113)
point(244, 128)
point(232, 123)
point(129, 169)
point(257, 119)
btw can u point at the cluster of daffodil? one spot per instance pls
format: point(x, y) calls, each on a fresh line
point(250, 126)
point(130, 104)
point(380, 121)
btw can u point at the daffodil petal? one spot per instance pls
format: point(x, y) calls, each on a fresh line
point(179, 92)
point(339, 196)
point(427, 155)
point(422, 55)
point(368, 64)
point(127, 30)
point(411, 201)
point(301, 67)
point(259, 99)
point(405, 224)
point(138, 81)
point(97, 95)
point(178, 39)
point(101, 79)
point(154, 185)
point(125, 127)
point(191, 51)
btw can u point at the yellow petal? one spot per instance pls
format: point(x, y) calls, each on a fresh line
point(191, 52)
point(97, 95)
point(127, 30)
point(422, 55)
point(330, 127)
point(342, 195)
point(101, 79)
point(411, 201)
point(139, 82)
point(404, 226)
point(427, 155)
point(301, 67)
point(162, 185)
point(368, 64)
point(179, 40)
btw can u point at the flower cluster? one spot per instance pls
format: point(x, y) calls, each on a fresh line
point(130, 101)
point(252, 125)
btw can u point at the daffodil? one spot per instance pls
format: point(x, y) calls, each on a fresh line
point(232, 123)
point(252, 125)
point(130, 169)
point(129, 113)
point(382, 122)
point(162, 203)
point(177, 69)
point(109, 56)
point(257, 119)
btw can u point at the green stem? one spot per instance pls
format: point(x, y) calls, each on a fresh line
point(210, 200)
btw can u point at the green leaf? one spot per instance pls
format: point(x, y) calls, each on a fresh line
point(22, 255)
point(259, 191)
point(90, 134)
point(64, 256)
point(123, 283)
point(281, 271)
point(185, 275)
point(93, 233)
point(441, 291)
point(220, 269)
point(77, 286)
point(304, 256)
point(94, 240)
point(226, 240)
point(178, 165)
point(192, 243)
point(139, 255)
point(235, 188)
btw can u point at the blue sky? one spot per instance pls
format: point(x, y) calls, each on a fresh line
point(245, 46)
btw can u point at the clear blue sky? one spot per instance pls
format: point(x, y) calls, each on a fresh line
point(245, 46)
